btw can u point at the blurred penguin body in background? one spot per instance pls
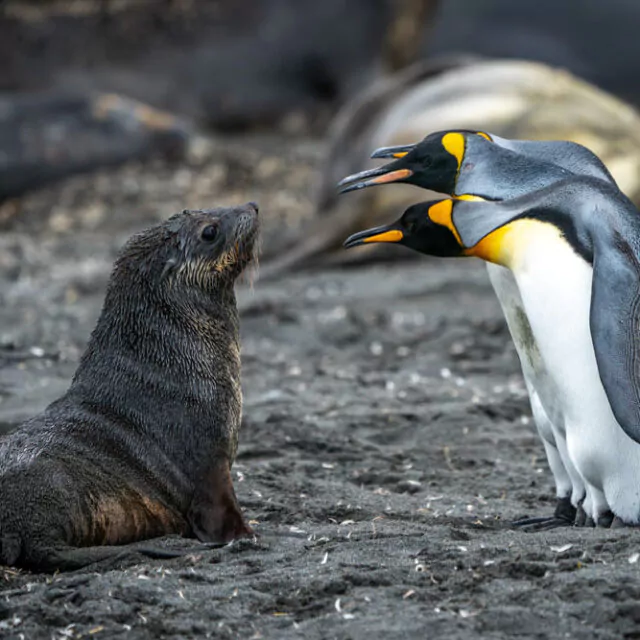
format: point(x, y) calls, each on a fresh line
point(511, 98)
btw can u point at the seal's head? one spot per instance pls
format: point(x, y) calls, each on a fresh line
point(201, 250)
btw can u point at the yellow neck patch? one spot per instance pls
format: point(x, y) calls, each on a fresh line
point(468, 196)
point(484, 135)
point(440, 213)
point(454, 144)
point(508, 244)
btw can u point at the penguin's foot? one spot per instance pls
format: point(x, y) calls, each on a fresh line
point(583, 519)
point(618, 523)
point(565, 510)
point(609, 521)
point(605, 520)
point(563, 516)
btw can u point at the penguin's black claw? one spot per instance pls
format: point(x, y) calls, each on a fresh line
point(563, 516)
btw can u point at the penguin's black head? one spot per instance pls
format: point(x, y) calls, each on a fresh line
point(425, 227)
point(433, 163)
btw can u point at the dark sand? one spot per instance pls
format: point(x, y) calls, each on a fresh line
point(387, 439)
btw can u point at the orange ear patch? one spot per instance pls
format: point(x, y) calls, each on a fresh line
point(440, 213)
point(454, 144)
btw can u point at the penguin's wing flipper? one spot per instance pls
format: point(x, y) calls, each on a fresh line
point(615, 321)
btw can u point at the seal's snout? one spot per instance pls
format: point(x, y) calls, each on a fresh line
point(243, 231)
point(246, 221)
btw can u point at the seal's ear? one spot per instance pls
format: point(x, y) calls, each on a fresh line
point(169, 266)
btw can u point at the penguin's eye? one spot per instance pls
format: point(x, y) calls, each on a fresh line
point(209, 233)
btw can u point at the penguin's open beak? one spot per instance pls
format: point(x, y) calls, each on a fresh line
point(371, 177)
point(388, 233)
point(393, 152)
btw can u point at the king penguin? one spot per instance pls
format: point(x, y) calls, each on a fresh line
point(474, 165)
point(573, 250)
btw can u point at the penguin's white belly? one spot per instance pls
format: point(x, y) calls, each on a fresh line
point(546, 404)
point(533, 366)
point(555, 286)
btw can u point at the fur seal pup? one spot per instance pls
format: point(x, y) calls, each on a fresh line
point(142, 443)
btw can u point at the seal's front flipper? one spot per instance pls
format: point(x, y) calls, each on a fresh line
point(214, 514)
point(10, 549)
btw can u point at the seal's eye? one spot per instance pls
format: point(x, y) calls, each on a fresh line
point(209, 233)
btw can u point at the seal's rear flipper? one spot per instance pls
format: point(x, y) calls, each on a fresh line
point(214, 514)
point(74, 558)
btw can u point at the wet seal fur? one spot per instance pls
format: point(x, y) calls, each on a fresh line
point(142, 443)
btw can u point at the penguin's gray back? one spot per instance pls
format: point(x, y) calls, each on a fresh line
point(569, 155)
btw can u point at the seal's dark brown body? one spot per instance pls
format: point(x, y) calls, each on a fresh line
point(142, 443)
